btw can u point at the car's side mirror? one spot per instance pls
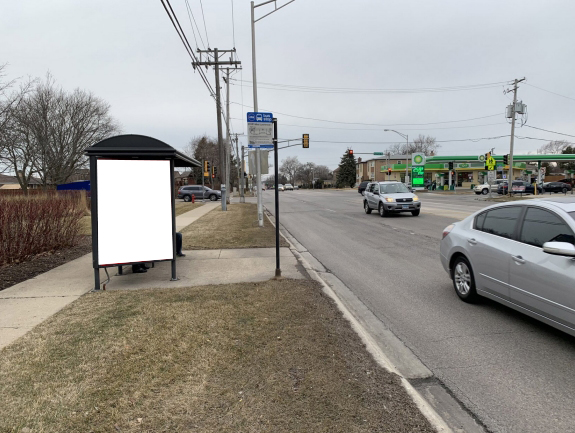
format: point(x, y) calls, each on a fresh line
point(559, 248)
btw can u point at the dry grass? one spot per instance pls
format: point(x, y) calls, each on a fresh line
point(183, 207)
point(266, 357)
point(236, 228)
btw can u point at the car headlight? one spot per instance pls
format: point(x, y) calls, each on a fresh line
point(389, 199)
point(415, 198)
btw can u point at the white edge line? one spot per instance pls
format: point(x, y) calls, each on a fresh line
point(380, 357)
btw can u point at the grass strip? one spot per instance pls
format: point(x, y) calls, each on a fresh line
point(235, 228)
point(258, 357)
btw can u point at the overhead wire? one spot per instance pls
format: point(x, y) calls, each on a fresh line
point(186, 43)
point(546, 130)
point(193, 18)
point(549, 91)
point(318, 89)
point(205, 27)
point(378, 124)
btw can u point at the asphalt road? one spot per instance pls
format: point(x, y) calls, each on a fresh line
point(513, 373)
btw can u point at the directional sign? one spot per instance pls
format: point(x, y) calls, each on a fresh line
point(260, 130)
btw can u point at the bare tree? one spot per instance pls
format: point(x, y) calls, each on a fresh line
point(290, 167)
point(322, 172)
point(423, 143)
point(553, 147)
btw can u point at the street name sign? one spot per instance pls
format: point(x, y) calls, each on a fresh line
point(260, 130)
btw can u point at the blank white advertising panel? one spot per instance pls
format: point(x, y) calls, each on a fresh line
point(134, 211)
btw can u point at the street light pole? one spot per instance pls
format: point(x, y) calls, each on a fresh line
point(406, 148)
point(255, 90)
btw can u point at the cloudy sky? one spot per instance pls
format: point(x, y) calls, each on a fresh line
point(340, 71)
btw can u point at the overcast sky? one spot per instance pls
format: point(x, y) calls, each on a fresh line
point(127, 53)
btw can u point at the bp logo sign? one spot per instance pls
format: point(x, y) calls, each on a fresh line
point(481, 158)
point(418, 159)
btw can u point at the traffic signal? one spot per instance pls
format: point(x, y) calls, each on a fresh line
point(305, 141)
point(214, 171)
point(213, 176)
point(206, 166)
point(450, 166)
point(350, 153)
point(506, 159)
point(389, 171)
point(487, 156)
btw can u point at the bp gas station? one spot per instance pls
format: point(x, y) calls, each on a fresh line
point(462, 171)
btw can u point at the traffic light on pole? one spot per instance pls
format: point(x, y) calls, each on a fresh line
point(450, 165)
point(206, 168)
point(389, 171)
point(214, 171)
point(506, 159)
point(305, 141)
point(350, 153)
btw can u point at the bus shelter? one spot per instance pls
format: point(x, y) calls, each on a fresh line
point(133, 201)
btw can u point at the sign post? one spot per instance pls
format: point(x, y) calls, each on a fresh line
point(276, 193)
point(260, 136)
point(490, 179)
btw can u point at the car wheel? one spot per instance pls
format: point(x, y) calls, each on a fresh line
point(463, 280)
point(416, 212)
point(366, 207)
point(187, 198)
point(213, 197)
point(564, 190)
point(382, 211)
point(484, 191)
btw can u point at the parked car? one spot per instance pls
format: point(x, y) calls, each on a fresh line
point(288, 187)
point(390, 197)
point(295, 187)
point(528, 187)
point(520, 254)
point(280, 187)
point(556, 187)
point(187, 191)
point(569, 181)
point(484, 187)
point(362, 186)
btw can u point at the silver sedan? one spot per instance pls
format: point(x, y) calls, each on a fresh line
point(521, 254)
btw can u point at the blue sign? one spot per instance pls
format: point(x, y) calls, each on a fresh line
point(260, 117)
point(260, 146)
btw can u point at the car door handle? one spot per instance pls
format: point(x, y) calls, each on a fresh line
point(518, 259)
point(472, 241)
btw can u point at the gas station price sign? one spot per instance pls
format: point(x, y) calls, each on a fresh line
point(417, 178)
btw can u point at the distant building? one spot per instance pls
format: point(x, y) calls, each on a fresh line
point(11, 182)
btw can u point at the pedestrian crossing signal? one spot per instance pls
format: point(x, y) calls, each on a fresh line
point(506, 159)
point(305, 141)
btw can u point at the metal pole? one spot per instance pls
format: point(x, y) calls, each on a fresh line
point(94, 218)
point(238, 163)
point(203, 179)
point(219, 118)
point(173, 202)
point(510, 175)
point(406, 149)
point(243, 180)
point(277, 207)
point(258, 152)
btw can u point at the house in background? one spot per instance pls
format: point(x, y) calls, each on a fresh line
point(11, 182)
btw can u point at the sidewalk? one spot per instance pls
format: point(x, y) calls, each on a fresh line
point(27, 304)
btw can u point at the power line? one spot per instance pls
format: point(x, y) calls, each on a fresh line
point(549, 91)
point(378, 124)
point(316, 89)
point(538, 139)
point(233, 25)
point(204, 18)
point(381, 129)
point(546, 130)
point(185, 42)
point(192, 17)
point(395, 142)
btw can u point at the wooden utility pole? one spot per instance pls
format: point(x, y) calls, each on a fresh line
point(213, 59)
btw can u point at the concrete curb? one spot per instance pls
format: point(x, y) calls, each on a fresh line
point(373, 348)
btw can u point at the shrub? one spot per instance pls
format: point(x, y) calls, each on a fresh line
point(38, 223)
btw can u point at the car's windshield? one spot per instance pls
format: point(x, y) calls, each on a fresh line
point(394, 188)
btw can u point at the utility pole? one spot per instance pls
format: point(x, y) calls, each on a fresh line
point(213, 59)
point(228, 138)
point(255, 90)
point(510, 175)
point(242, 179)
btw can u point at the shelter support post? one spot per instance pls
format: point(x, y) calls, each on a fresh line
point(277, 204)
point(173, 201)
